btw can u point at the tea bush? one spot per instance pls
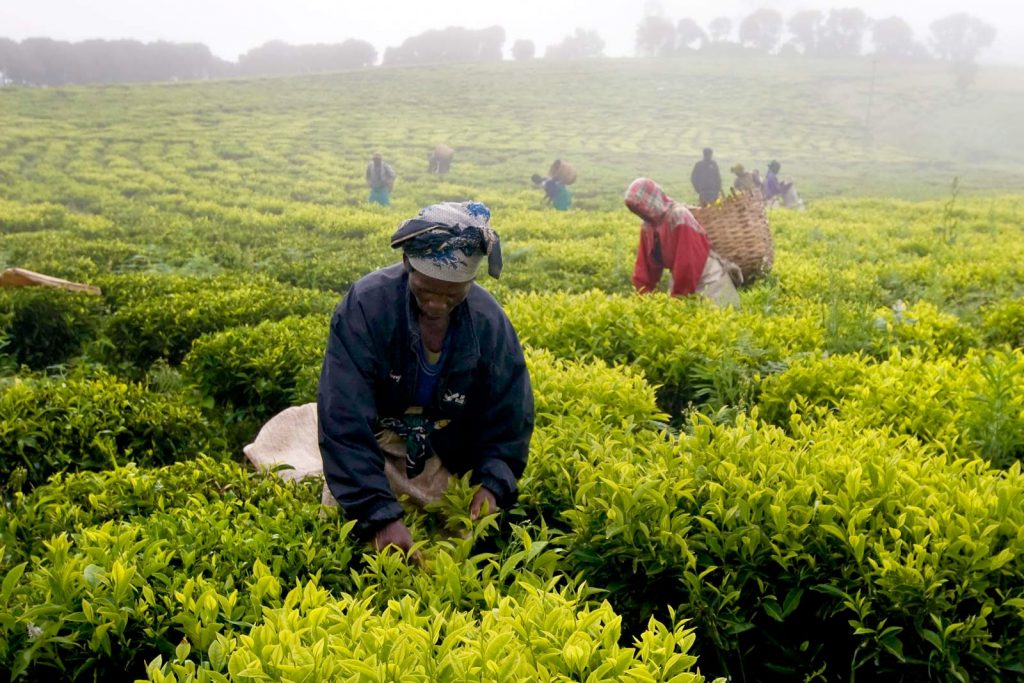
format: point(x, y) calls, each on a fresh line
point(695, 353)
point(539, 635)
point(1003, 323)
point(971, 407)
point(923, 328)
point(832, 552)
point(115, 568)
point(165, 327)
point(169, 564)
point(66, 254)
point(18, 217)
point(255, 369)
point(810, 386)
point(44, 326)
point(51, 425)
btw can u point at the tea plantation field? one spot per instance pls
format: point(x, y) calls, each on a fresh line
point(823, 485)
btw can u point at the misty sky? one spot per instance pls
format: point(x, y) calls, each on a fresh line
point(231, 27)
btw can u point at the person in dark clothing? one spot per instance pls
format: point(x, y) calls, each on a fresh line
point(706, 179)
point(555, 192)
point(380, 177)
point(424, 377)
point(773, 187)
point(440, 159)
point(745, 181)
point(778, 192)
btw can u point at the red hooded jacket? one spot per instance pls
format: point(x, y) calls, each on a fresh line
point(669, 238)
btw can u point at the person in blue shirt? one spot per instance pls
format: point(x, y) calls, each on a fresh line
point(784, 191)
point(773, 187)
point(556, 193)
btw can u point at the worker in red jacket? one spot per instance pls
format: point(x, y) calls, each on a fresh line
point(672, 238)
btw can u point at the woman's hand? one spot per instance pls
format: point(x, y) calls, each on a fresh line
point(483, 503)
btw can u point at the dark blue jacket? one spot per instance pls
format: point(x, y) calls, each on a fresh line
point(369, 373)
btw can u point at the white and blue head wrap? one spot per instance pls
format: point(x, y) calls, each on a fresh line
point(447, 241)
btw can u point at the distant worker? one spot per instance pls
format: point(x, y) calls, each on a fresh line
point(380, 177)
point(778, 191)
point(744, 181)
point(671, 237)
point(440, 159)
point(555, 193)
point(706, 179)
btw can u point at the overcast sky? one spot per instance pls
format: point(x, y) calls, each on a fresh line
point(231, 27)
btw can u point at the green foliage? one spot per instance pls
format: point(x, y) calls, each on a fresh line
point(44, 326)
point(810, 385)
point(256, 369)
point(832, 553)
point(586, 413)
point(64, 424)
point(192, 564)
point(617, 396)
point(922, 328)
point(971, 407)
point(696, 354)
point(537, 635)
point(127, 563)
point(16, 217)
point(165, 326)
point(1003, 323)
point(66, 254)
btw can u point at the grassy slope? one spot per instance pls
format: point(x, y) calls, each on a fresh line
point(305, 140)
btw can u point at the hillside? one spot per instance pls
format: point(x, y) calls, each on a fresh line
point(307, 139)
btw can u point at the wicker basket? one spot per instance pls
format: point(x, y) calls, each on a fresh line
point(443, 152)
point(738, 229)
point(563, 172)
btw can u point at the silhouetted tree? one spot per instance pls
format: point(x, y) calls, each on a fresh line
point(451, 45)
point(523, 49)
point(762, 30)
point(45, 61)
point(8, 59)
point(843, 32)
point(720, 29)
point(42, 61)
point(960, 37)
point(689, 32)
point(280, 58)
point(806, 28)
point(894, 39)
point(655, 37)
point(581, 45)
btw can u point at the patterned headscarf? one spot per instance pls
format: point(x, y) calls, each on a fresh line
point(646, 199)
point(447, 241)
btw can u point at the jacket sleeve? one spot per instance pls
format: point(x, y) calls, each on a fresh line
point(347, 412)
point(647, 272)
point(691, 254)
point(507, 420)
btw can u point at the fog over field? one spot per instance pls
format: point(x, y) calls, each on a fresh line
point(231, 27)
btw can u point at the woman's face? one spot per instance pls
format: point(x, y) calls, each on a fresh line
point(436, 298)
